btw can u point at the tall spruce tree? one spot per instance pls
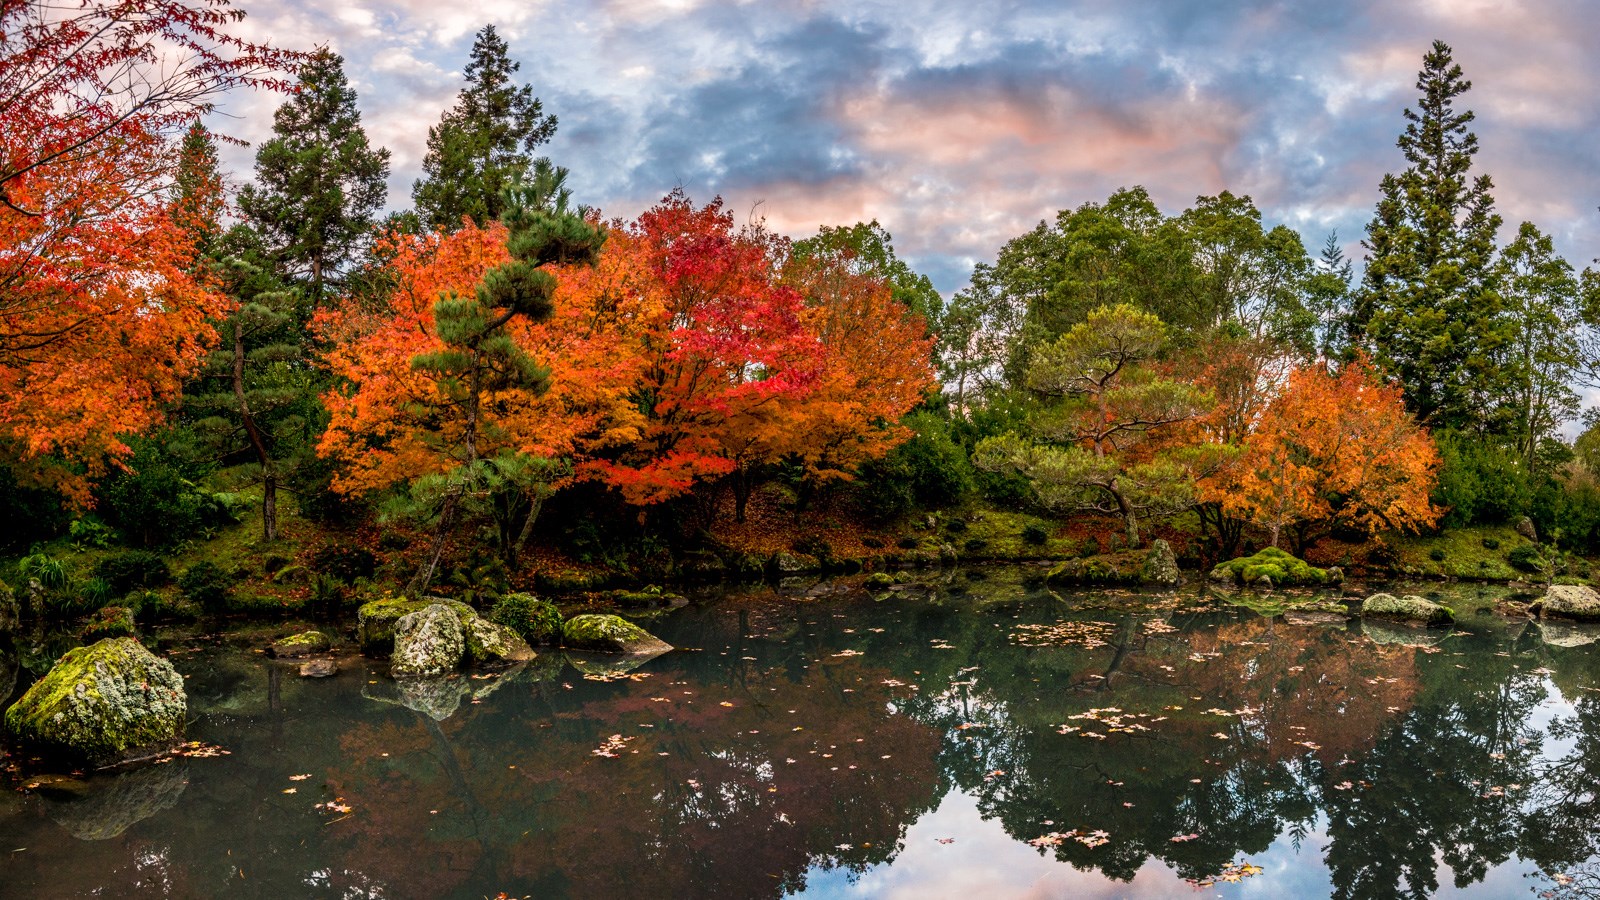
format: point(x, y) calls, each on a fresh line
point(483, 144)
point(318, 181)
point(1428, 304)
point(197, 193)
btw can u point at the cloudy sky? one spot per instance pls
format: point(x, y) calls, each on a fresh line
point(959, 124)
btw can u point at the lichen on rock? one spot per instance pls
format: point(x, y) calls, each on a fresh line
point(1410, 608)
point(103, 704)
point(492, 644)
point(610, 634)
point(1571, 601)
point(375, 621)
point(429, 641)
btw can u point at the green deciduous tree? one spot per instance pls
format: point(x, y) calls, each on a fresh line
point(1550, 346)
point(1094, 443)
point(1428, 303)
point(319, 183)
point(483, 144)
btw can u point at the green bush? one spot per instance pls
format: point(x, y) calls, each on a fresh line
point(135, 569)
point(929, 471)
point(975, 545)
point(43, 568)
point(908, 542)
point(1480, 481)
point(96, 593)
point(1436, 555)
point(1490, 543)
point(1035, 534)
point(207, 586)
point(344, 562)
point(537, 621)
point(155, 502)
point(1527, 558)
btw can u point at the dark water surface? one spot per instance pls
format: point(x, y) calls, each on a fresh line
point(981, 739)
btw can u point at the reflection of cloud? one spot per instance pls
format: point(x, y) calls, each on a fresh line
point(958, 125)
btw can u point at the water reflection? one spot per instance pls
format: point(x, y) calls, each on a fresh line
point(977, 737)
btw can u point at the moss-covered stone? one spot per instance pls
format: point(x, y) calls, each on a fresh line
point(10, 610)
point(492, 644)
point(427, 642)
point(1410, 608)
point(375, 621)
point(1571, 601)
point(652, 595)
point(108, 622)
point(1271, 566)
point(535, 621)
point(785, 563)
point(1160, 566)
point(878, 581)
point(1104, 568)
point(609, 634)
point(299, 646)
point(105, 703)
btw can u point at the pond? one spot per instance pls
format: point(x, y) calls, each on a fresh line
point(979, 737)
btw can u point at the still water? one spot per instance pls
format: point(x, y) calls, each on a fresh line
point(978, 738)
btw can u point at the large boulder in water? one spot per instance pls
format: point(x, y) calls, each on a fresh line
point(300, 646)
point(1571, 601)
point(1410, 608)
point(428, 642)
point(375, 621)
point(105, 703)
point(610, 634)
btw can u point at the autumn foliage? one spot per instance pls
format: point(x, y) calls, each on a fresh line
point(101, 313)
point(1332, 450)
point(687, 355)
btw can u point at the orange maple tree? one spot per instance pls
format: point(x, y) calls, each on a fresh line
point(101, 316)
point(1332, 449)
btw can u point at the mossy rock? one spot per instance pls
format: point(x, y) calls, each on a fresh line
point(1571, 601)
point(108, 622)
point(1160, 566)
point(1410, 608)
point(609, 634)
point(569, 582)
point(702, 565)
point(102, 704)
point(785, 563)
point(1105, 568)
point(535, 621)
point(492, 644)
point(878, 581)
point(1270, 567)
point(647, 597)
point(375, 621)
point(428, 642)
point(10, 610)
point(299, 646)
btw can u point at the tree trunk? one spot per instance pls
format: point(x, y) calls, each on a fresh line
point(269, 478)
point(447, 524)
point(1130, 520)
point(741, 493)
point(535, 506)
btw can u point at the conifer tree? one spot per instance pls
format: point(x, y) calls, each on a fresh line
point(197, 193)
point(1428, 304)
point(319, 182)
point(479, 358)
point(483, 144)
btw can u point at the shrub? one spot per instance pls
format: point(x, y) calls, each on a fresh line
point(1480, 481)
point(956, 526)
point(975, 545)
point(96, 593)
point(156, 503)
point(1035, 534)
point(87, 533)
point(1436, 555)
point(908, 542)
point(1270, 562)
point(930, 471)
point(537, 621)
point(1490, 543)
point(207, 586)
point(1527, 558)
point(46, 570)
point(135, 569)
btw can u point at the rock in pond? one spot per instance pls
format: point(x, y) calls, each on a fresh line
point(102, 807)
point(1160, 565)
point(610, 634)
point(376, 620)
point(1410, 608)
point(430, 641)
point(319, 668)
point(1566, 634)
point(492, 644)
point(106, 703)
point(1402, 634)
point(537, 621)
point(299, 646)
point(1571, 601)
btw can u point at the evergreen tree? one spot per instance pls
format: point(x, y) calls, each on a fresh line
point(482, 145)
point(319, 182)
point(197, 194)
point(481, 358)
point(1329, 297)
point(1428, 304)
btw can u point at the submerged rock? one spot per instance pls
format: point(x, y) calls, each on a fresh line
point(105, 703)
point(1410, 608)
point(610, 634)
point(299, 646)
point(318, 668)
point(427, 642)
point(1571, 601)
point(1160, 565)
point(1314, 617)
point(375, 621)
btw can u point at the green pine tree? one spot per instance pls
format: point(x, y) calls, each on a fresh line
point(481, 357)
point(319, 182)
point(197, 192)
point(483, 144)
point(1428, 305)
